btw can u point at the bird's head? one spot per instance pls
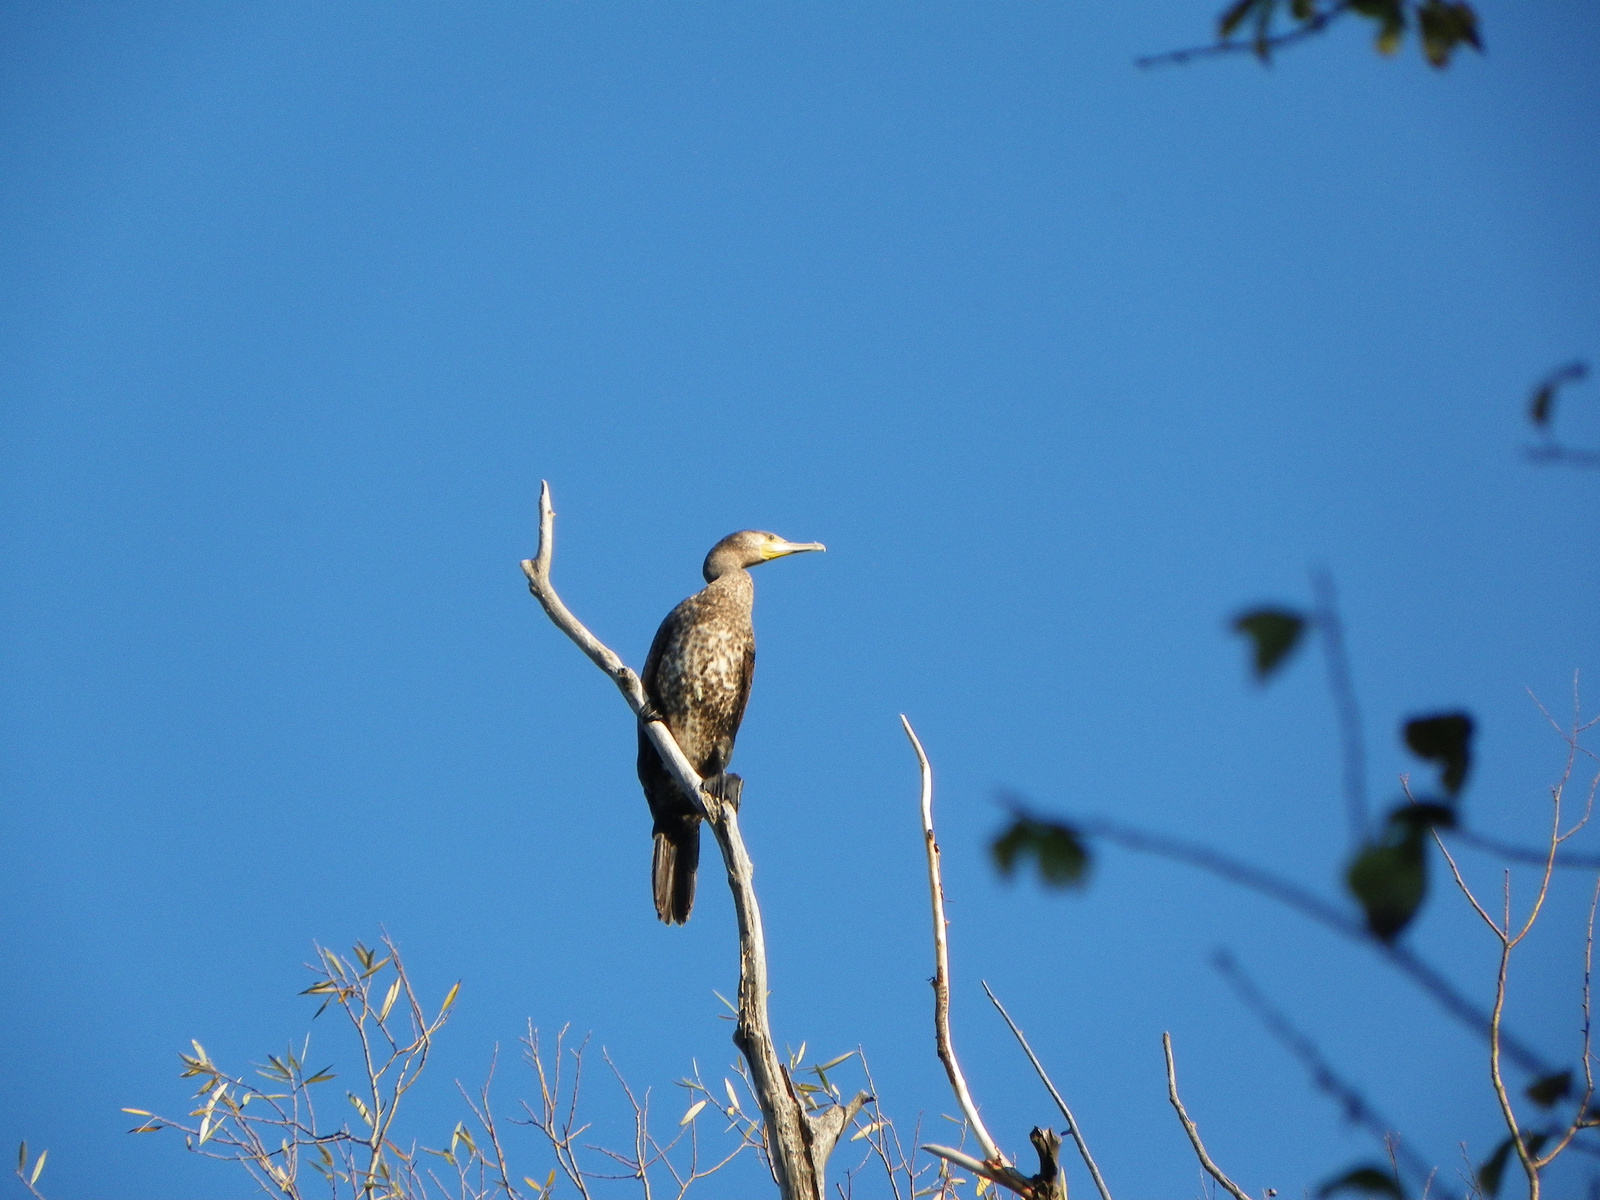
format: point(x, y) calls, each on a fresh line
point(750, 548)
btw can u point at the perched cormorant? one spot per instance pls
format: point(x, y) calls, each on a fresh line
point(697, 677)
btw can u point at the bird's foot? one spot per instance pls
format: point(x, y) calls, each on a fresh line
point(726, 787)
point(650, 713)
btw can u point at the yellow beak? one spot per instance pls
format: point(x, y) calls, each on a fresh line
point(777, 549)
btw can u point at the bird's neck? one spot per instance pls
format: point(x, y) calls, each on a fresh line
point(735, 585)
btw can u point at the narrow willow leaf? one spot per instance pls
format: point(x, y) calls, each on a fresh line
point(388, 1001)
point(694, 1111)
point(867, 1130)
point(38, 1167)
point(834, 1062)
point(450, 998)
point(733, 1099)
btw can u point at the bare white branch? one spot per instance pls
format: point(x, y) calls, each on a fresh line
point(995, 1165)
point(798, 1145)
point(1232, 1188)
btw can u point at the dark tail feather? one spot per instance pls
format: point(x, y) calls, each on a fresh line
point(676, 859)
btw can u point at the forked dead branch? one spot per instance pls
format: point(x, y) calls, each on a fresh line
point(799, 1142)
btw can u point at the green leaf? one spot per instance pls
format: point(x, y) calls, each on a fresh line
point(1389, 878)
point(1444, 738)
point(1390, 17)
point(1367, 1179)
point(1444, 26)
point(1545, 1092)
point(1062, 857)
point(1233, 16)
point(38, 1167)
point(1424, 815)
point(1274, 633)
point(1492, 1170)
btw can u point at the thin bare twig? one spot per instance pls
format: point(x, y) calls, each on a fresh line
point(1072, 1122)
point(1232, 1188)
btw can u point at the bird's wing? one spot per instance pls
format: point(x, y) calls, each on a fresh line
point(747, 676)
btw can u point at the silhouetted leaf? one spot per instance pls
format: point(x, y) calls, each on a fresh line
point(1391, 20)
point(1233, 16)
point(1063, 858)
point(1445, 26)
point(1542, 403)
point(1545, 1092)
point(1389, 878)
point(1274, 633)
point(1493, 1169)
point(1368, 1180)
point(1446, 739)
point(1425, 815)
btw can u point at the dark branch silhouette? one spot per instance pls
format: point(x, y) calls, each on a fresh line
point(1327, 1080)
point(1352, 744)
point(1322, 911)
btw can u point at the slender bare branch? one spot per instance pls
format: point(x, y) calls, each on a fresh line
point(1232, 1188)
point(941, 965)
point(994, 1165)
point(1072, 1122)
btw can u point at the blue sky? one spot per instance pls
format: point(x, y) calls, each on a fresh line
point(1064, 360)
